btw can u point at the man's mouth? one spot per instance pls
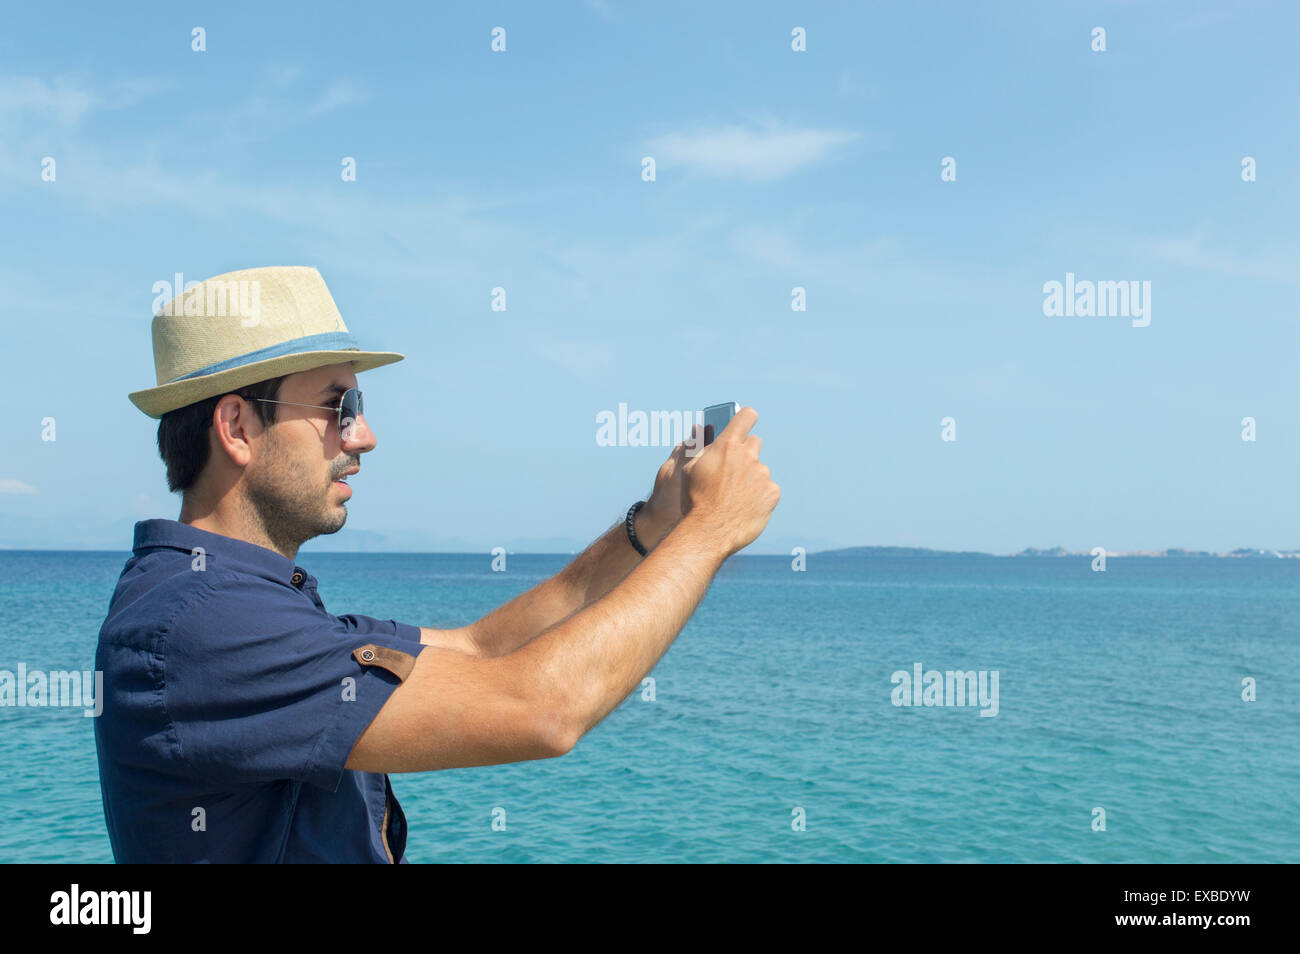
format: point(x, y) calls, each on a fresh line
point(343, 477)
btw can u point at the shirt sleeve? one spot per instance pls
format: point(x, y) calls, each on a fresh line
point(262, 685)
point(406, 631)
point(368, 624)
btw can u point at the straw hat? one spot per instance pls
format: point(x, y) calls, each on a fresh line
point(243, 327)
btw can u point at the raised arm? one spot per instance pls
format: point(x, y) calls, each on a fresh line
point(595, 572)
point(459, 710)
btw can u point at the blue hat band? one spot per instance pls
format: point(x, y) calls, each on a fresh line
point(330, 341)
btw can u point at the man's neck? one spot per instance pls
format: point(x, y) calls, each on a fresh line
point(239, 525)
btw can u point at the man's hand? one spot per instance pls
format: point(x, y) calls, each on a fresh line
point(668, 502)
point(730, 493)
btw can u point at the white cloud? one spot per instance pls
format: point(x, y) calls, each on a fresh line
point(68, 100)
point(10, 486)
point(340, 93)
point(30, 93)
point(740, 152)
point(283, 76)
point(1191, 251)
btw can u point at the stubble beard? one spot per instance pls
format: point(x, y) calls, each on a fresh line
point(286, 499)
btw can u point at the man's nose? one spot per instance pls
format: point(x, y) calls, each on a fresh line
point(358, 437)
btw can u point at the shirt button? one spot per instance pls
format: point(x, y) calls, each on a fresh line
point(296, 579)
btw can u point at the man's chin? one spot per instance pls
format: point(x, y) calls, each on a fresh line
point(334, 523)
point(331, 520)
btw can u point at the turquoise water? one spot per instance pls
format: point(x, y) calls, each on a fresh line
point(1119, 690)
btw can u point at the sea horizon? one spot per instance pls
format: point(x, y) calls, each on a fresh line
point(867, 550)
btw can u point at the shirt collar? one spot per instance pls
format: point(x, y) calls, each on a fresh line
point(226, 551)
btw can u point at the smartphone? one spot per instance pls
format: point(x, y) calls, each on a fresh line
point(716, 418)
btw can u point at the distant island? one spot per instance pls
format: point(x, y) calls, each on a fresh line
point(1051, 552)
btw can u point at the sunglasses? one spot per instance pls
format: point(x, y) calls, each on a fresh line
point(349, 409)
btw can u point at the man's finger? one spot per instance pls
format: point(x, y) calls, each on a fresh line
point(693, 445)
point(738, 427)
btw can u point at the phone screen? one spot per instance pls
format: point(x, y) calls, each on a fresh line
point(716, 418)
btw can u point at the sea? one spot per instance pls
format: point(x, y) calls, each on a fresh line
point(1149, 712)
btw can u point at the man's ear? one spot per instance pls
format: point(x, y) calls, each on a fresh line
point(233, 427)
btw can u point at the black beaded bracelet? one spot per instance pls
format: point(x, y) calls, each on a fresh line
point(631, 529)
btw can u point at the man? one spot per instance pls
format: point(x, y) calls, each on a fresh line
point(242, 721)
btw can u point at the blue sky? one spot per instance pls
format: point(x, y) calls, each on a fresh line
point(775, 169)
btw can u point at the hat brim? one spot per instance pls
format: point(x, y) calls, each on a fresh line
point(168, 397)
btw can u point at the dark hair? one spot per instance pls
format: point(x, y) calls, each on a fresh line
point(183, 433)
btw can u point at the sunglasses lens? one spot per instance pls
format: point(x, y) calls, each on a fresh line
point(349, 411)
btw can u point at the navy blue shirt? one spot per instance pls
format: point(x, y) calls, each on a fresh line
point(232, 702)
